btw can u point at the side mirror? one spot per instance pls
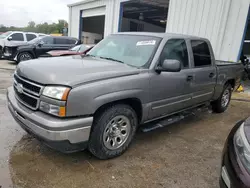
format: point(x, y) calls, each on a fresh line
point(9, 38)
point(40, 43)
point(170, 65)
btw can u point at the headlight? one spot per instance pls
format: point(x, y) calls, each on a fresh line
point(242, 147)
point(56, 92)
point(53, 109)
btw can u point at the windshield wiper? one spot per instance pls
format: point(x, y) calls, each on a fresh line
point(88, 55)
point(112, 59)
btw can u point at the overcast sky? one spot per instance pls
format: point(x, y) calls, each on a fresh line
point(20, 12)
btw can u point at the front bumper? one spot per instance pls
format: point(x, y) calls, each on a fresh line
point(66, 135)
point(8, 57)
point(234, 175)
point(9, 54)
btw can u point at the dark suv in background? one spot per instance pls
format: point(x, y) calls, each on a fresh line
point(38, 47)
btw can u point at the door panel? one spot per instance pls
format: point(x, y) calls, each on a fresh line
point(204, 72)
point(48, 44)
point(170, 92)
point(203, 84)
point(41, 50)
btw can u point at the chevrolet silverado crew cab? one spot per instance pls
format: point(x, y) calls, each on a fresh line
point(97, 101)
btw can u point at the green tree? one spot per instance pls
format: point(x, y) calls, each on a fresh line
point(60, 25)
point(31, 24)
point(39, 28)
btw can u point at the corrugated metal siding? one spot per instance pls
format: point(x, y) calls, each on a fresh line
point(221, 21)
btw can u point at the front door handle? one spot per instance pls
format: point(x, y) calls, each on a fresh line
point(211, 75)
point(190, 78)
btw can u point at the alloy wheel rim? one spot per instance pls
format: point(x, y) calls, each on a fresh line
point(225, 98)
point(116, 132)
point(25, 57)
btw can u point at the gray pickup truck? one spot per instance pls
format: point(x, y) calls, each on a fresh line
point(98, 100)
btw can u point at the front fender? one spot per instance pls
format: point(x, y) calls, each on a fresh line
point(89, 105)
point(86, 99)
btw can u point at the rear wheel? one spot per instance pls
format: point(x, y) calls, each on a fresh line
point(24, 56)
point(113, 131)
point(221, 104)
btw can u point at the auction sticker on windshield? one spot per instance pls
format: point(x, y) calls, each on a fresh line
point(146, 43)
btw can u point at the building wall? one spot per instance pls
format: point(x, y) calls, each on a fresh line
point(112, 15)
point(147, 26)
point(221, 21)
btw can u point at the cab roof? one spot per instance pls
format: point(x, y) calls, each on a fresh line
point(161, 35)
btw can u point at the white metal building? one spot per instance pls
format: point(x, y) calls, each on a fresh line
point(224, 22)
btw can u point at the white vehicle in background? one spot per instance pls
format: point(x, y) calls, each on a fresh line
point(16, 38)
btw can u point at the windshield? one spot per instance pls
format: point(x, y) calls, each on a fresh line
point(76, 48)
point(132, 50)
point(4, 35)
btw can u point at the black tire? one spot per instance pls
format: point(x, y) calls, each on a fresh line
point(245, 76)
point(97, 145)
point(219, 106)
point(24, 56)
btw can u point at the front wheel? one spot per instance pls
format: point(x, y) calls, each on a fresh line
point(113, 131)
point(24, 56)
point(221, 104)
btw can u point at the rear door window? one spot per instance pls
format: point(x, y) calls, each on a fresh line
point(176, 49)
point(72, 41)
point(30, 37)
point(17, 37)
point(201, 53)
point(61, 41)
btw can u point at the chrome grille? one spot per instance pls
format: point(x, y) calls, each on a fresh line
point(26, 92)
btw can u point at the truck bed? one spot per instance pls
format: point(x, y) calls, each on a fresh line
point(228, 71)
point(226, 63)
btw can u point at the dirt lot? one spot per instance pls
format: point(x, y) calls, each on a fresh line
point(183, 155)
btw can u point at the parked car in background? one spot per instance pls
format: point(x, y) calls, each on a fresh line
point(97, 101)
point(38, 47)
point(235, 169)
point(77, 50)
point(16, 38)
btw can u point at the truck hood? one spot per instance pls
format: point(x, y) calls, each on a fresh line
point(72, 70)
point(14, 44)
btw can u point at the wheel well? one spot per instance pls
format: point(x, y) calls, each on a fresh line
point(132, 102)
point(32, 55)
point(231, 82)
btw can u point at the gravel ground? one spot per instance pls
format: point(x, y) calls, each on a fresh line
point(183, 155)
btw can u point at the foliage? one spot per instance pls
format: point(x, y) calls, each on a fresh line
point(38, 28)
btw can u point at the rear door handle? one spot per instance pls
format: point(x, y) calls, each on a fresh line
point(211, 75)
point(190, 78)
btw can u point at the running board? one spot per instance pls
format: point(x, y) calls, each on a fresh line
point(173, 119)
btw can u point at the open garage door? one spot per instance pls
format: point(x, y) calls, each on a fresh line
point(144, 15)
point(93, 21)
